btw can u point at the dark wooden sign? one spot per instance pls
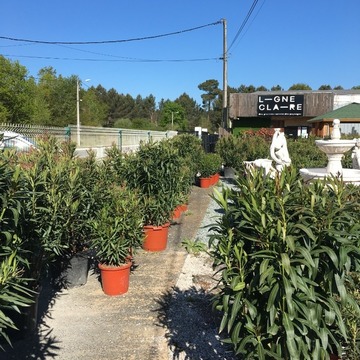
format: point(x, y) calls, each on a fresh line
point(282, 105)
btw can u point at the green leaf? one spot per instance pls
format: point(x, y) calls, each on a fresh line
point(290, 337)
point(307, 256)
point(306, 230)
point(251, 309)
point(341, 287)
point(289, 301)
point(239, 286)
point(224, 322)
point(285, 262)
point(235, 310)
point(272, 297)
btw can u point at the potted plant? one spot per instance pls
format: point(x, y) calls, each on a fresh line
point(209, 166)
point(116, 233)
point(155, 171)
point(189, 147)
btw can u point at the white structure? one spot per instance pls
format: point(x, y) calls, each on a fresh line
point(278, 152)
point(335, 148)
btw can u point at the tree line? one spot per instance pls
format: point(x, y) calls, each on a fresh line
point(51, 99)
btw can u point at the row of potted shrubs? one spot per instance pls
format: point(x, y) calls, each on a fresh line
point(55, 205)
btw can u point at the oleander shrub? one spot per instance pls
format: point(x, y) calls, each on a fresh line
point(351, 348)
point(15, 293)
point(305, 154)
point(208, 164)
point(188, 147)
point(247, 146)
point(284, 252)
point(155, 171)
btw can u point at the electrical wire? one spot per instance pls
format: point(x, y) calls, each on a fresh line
point(125, 59)
point(253, 19)
point(108, 41)
point(243, 23)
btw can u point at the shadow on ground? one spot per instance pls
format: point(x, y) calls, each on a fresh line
point(33, 343)
point(35, 340)
point(191, 325)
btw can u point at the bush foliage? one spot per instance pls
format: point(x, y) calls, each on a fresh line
point(285, 251)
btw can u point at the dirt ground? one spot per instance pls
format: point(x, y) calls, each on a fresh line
point(145, 323)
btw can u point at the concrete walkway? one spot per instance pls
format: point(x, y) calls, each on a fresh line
point(83, 323)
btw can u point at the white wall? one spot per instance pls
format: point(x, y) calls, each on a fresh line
point(341, 100)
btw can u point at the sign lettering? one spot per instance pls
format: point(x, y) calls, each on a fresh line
point(283, 105)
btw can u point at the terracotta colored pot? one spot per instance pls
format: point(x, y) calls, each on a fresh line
point(216, 178)
point(205, 182)
point(156, 237)
point(183, 207)
point(115, 279)
point(177, 212)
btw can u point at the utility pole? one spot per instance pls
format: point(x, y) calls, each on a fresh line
point(225, 75)
point(78, 112)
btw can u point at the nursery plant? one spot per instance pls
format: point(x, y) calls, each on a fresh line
point(194, 247)
point(116, 229)
point(189, 147)
point(49, 205)
point(304, 153)
point(155, 171)
point(284, 251)
point(209, 164)
point(351, 350)
point(247, 146)
point(15, 292)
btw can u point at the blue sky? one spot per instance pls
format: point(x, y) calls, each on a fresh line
point(283, 42)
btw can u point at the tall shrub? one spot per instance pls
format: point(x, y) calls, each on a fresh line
point(305, 154)
point(15, 292)
point(52, 204)
point(284, 251)
point(188, 147)
point(247, 146)
point(155, 171)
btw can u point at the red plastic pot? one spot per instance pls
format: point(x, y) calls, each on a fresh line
point(205, 182)
point(216, 178)
point(177, 212)
point(156, 237)
point(115, 279)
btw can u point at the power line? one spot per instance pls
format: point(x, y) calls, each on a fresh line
point(125, 59)
point(130, 59)
point(108, 41)
point(253, 19)
point(244, 23)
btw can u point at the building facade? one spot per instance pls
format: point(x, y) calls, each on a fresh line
point(289, 110)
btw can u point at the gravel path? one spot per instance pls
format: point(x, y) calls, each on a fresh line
point(192, 326)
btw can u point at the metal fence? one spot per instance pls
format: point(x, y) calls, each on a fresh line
point(99, 139)
point(32, 132)
point(95, 138)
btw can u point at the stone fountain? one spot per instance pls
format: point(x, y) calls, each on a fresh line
point(335, 148)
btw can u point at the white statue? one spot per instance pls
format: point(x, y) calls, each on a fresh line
point(336, 134)
point(265, 164)
point(279, 151)
point(355, 156)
